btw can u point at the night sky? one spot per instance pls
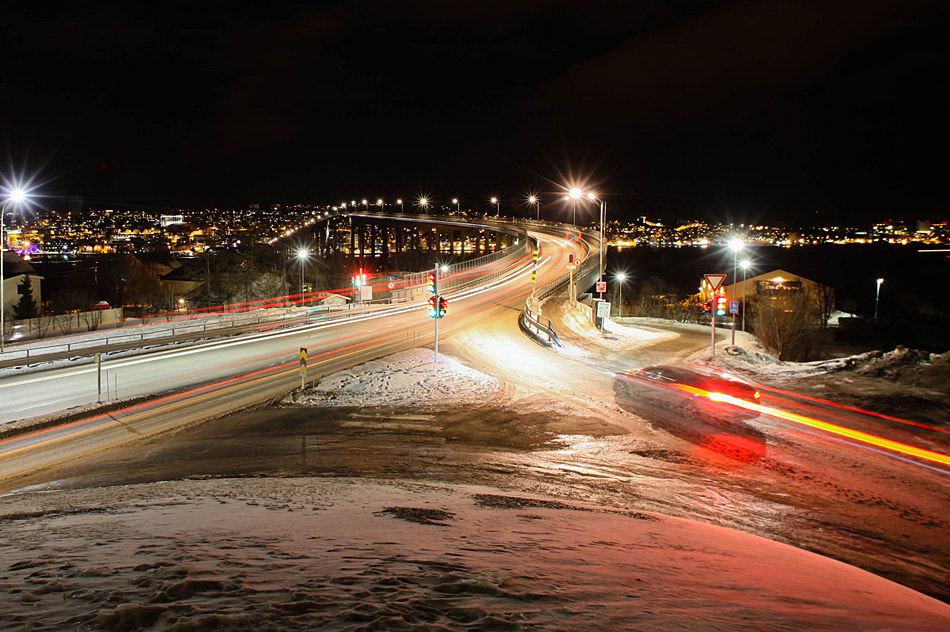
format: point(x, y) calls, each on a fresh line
point(749, 111)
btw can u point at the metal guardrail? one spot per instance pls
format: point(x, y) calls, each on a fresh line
point(583, 277)
point(538, 327)
point(455, 276)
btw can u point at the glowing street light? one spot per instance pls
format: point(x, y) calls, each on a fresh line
point(399, 202)
point(455, 201)
point(574, 194)
point(744, 264)
point(621, 277)
point(424, 203)
point(379, 203)
point(877, 296)
point(533, 199)
point(494, 201)
point(365, 204)
point(736, 246)
point(302, 255)
point(15, 196)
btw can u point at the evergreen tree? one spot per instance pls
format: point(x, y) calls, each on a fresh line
point(26, 307)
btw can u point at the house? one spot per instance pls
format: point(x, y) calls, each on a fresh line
point(15, 269)
point(778, 283)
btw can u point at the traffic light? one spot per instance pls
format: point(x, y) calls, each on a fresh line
point(720, 305)
point(433, 283)
point(437, 306)
point(707, 307)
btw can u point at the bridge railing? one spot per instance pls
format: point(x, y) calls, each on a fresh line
point(457, 276)
point(537, 326)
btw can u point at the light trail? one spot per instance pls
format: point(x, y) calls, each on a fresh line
point(857, 435)
point(854, 409)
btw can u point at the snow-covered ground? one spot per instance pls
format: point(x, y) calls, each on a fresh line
point(350, 554)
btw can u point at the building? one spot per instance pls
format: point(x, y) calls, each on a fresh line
point(15, 269)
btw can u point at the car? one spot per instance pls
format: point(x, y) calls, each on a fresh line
point(696, 391)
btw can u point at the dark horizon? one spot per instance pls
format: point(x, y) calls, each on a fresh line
point(756, 111)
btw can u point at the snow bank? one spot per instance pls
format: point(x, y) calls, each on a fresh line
point(614, 336)
point(408, 378)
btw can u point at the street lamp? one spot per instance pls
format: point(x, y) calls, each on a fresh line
point(455, 201)
point(424, 203)
point(744, 264)
point(736, 246)
point(301, 258)
point(621, 277)
point(365, 205)
point(574, 194)
point(16, 196)
point(877, 296)
point(494, 201)
point(533, 199)
point(379, 203)
point(399, 202)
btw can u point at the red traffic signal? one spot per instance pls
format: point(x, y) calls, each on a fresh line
point(720, 305)
point(433, 283)
point(437, 306)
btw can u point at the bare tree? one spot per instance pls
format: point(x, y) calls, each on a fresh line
point(784, 322)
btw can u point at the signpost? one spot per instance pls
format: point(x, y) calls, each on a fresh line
point(715, 282)
point(603, 312)
point(601, 287)
point(303, 367)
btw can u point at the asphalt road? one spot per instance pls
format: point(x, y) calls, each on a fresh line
point(171, 388)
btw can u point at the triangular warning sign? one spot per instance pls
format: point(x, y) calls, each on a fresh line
point(715, 280)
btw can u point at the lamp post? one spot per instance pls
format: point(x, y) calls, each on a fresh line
point(736, 246)
point(455, 201)
point(621, 277)
point(301, 258)
point(424, 203)
point(744, 264)
point(365, 205)
point(494, 201)
point(533, 199)
point(399, 202)
point(15, 196)
point(603, 211)
point(574, 194)
point(877, 296)
point(379, 203)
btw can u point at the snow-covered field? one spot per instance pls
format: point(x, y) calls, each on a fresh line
point(348, 554)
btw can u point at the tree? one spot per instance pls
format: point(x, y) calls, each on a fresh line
point(26, 307)
point(784, 322)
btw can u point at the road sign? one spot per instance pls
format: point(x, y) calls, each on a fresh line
point(391, 285)
point(601, 286)
point(715, 280)
point(734, 307)
point(603, 309)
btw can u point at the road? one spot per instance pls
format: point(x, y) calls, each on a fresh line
point(170, 388)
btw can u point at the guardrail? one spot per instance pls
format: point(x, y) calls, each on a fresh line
point(454, 277)
point(538, 327)
point(165, 334)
